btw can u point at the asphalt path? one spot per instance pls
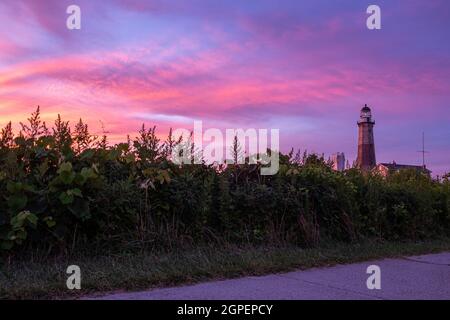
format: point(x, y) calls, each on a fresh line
point(420, 277)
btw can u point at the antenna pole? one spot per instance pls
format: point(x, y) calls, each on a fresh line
point(423, 151)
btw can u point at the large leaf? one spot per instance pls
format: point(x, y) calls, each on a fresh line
point(22, 217)
point(42, 169)
point(87, 154)
point(17, 202)
point(76, 192)
point(66, 174)
point(66, 197)
point(67, 177)
point(50, 222)
point(14, 187)
point(88, 173)
point(65, 167)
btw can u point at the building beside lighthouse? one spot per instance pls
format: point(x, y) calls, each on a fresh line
point(386, 169)
point(338, 161)
point(366, 159)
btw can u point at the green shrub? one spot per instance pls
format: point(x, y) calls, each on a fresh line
point(61, 189)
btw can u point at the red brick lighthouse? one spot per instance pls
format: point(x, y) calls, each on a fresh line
point(366, 144)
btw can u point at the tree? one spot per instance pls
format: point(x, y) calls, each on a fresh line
point(170, 144)
point(82, 138)
point(6, 137)
point(236, 151)
point(316, 160)
point(35, 128)
point(62, 135)
point(103, 142)
point(147, 144)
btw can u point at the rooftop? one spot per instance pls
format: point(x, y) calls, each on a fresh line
point(396, 166)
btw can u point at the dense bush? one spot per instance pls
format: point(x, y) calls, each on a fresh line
point(64, 188)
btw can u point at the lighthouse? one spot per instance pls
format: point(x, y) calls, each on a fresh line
point(366, 145)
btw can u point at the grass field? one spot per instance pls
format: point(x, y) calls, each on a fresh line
point(46, 279)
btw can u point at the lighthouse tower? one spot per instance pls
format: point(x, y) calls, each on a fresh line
point(366, 145)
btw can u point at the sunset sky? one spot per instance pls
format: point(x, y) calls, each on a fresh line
point(305, 67)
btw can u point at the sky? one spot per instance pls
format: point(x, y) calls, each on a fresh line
point(304, 67)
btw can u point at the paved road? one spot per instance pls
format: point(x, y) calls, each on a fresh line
point(420, 277)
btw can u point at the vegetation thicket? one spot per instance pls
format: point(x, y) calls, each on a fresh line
point(63, 188)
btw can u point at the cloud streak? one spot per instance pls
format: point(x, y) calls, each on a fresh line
point(254, 64)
